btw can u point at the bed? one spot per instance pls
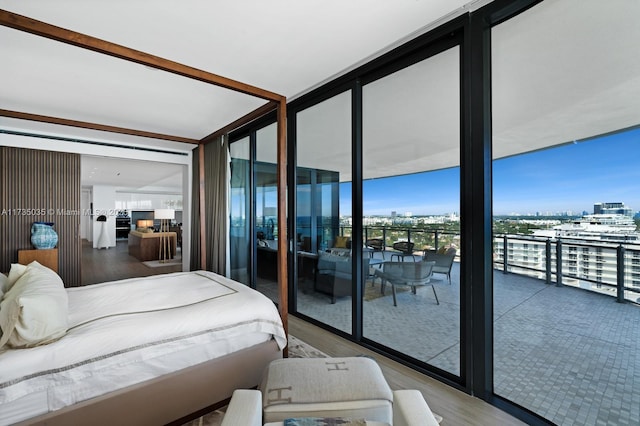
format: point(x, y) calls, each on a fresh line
point(150, 350)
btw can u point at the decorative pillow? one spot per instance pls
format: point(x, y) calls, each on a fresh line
point(324, 421)
point(330, 257)
point(442, 250)
point(341, 242)
point(3, 284)
point(34, 310)
point(15, 273)
point(343, 252)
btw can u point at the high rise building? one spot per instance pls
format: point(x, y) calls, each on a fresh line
point(590, 245)
point(612, 208)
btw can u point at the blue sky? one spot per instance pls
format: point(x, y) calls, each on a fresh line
point(571, 177)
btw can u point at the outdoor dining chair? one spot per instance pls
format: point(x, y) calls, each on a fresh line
point(403, 249)
point(411, 274)
point(443, 261)
point(374, 244)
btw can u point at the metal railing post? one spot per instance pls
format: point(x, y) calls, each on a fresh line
point(620, 277)
point(409, 234)
point(548, 259)
point(435, 239)
point(384, 238)
point(559, 263)
point(505, 254)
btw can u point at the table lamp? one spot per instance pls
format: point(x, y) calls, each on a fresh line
point(144, 224)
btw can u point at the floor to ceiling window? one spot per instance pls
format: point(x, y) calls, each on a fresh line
point(565, 98)
point(265, 213)
point(411, 204)
point(323, 211)
point(240, 211)
point(253, 211)
point(562, 124)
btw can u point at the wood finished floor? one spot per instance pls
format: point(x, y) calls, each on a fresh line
point(455, 406)
point(100, 265)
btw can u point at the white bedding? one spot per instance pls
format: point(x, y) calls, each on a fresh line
point(124, 332)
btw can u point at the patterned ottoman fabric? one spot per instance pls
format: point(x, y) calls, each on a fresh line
point(352, 387)
point(324, 421)
point(313, 421)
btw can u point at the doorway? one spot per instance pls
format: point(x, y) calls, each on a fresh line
point(117, 189)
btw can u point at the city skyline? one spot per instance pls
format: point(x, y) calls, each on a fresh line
point(571, 177)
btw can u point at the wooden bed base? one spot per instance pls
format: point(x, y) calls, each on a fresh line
point(171, 397)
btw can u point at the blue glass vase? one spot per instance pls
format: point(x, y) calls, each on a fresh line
point(43, 235)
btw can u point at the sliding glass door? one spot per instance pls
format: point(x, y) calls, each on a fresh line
point(566, 90)
point(240, 212)
point(323, 212)
point(253, 211)
point(534, 309)
point(411, 205)
point(265, 212)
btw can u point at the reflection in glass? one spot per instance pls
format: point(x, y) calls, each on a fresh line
point(239, 211)
point(323, 198)
point(265, 215)
point(411, 199)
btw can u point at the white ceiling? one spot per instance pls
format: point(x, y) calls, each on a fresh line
point(285, 46)
point(554, 80)
point(131, 175)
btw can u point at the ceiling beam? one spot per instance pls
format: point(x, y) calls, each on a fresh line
point(257, 113)
point(93, 126)
point(32, 26)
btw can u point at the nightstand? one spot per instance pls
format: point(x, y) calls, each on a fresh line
point(45, 257)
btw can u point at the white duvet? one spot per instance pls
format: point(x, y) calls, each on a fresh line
point(123, 332)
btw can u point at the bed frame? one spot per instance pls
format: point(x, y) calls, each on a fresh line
point(172, 398)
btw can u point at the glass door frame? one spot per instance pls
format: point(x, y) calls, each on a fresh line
point(446, 37)
point(250, 131)
point(472, 34)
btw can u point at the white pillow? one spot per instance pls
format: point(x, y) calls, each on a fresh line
point(6, 282)
point(15, 273)
point(34, 310)
point(3, 284)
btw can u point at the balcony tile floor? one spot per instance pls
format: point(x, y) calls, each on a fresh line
point(570, 355)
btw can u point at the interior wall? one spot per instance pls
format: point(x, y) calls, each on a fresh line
point(40, 186)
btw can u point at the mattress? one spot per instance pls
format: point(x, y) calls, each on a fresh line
point(125, 332)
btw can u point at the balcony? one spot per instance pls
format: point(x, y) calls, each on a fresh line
point(562, 352)
point(613, 271)
point(568, 352)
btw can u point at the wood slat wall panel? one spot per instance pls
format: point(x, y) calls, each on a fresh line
point(40, 186)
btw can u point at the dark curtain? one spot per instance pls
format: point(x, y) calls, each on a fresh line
point(195, 212)
point(216, 195)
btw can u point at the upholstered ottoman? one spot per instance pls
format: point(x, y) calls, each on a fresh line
point(352, 387)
